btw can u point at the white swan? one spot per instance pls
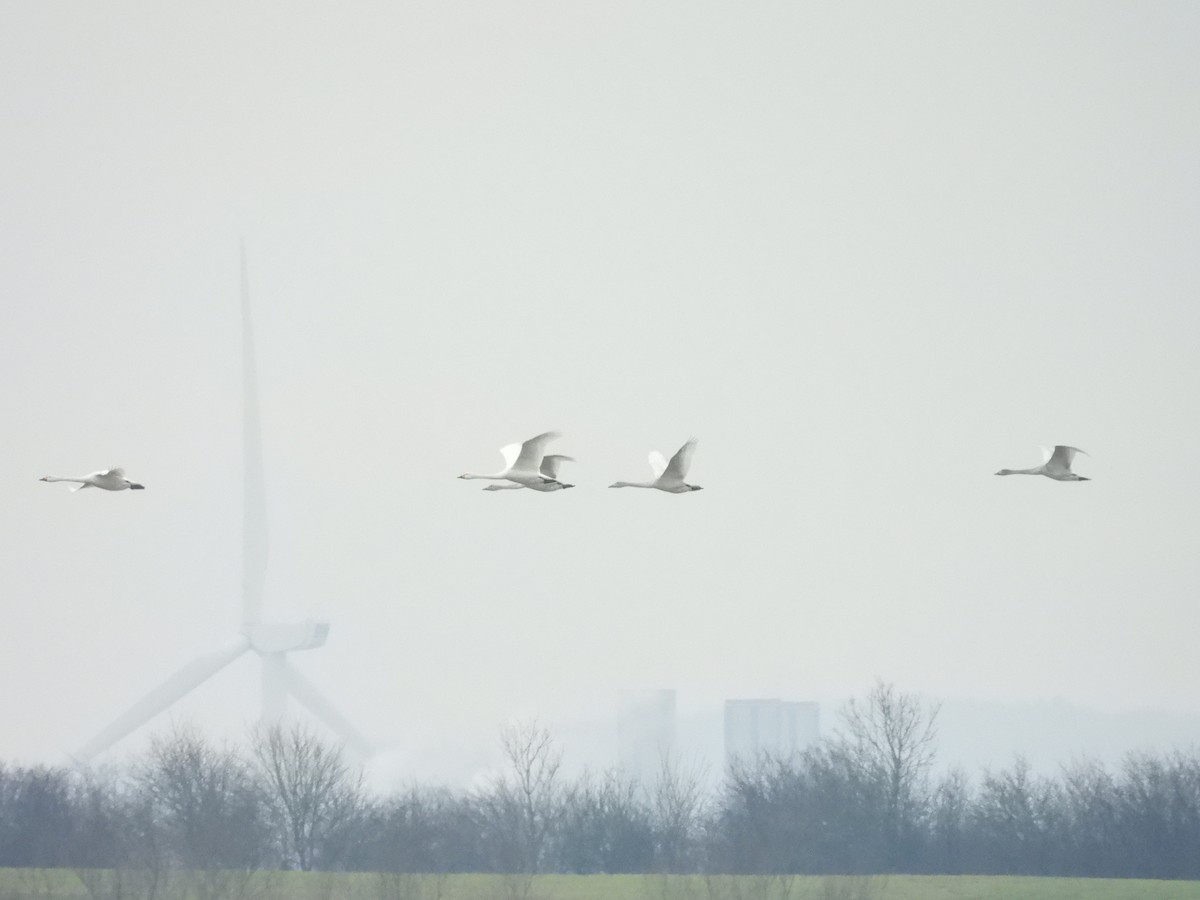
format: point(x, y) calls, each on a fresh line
point(1057, 465)
point(110, 480)
point(668, 476)
point(549, 467)
point(522, 462)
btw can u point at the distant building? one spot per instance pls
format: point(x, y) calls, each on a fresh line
point(646, 732)
point(771, 727)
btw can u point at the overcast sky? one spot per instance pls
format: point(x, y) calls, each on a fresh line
point(867, 253)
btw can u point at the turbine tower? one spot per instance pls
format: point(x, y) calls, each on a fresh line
point(272, 641)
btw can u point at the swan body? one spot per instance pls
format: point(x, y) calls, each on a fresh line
point(109, 480)
point(1057, 465)
point(668, 476)
point(522, 464)
point(549, 467)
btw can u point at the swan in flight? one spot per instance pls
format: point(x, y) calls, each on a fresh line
point(668, 476)
point(549, 468)
point(110, 480)
point(1057, 465)
point(522, 462)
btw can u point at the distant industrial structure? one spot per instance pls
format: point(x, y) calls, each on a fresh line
point(771, 727)
point(646, 732)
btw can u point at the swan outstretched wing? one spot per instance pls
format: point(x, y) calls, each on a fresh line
point(1062, 457)
point(532, 451)
point(115, 473)
point(677, 468)
point(510, 453)
point(658, 463)
point(552, 462)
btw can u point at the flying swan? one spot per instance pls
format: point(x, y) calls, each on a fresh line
point(522, 462)
point(1057, 465)
point(110, 480)
point(668, 476)
point(549, 467)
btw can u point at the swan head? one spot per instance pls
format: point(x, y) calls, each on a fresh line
point(1005, 472)
point(44, 478)
point(464, 475)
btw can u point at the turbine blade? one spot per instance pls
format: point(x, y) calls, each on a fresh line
point(306, 692)
point(174, 688)
point(254, 501)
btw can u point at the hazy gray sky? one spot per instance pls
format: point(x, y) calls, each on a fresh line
point(867, 253)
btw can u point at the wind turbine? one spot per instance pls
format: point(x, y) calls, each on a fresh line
point(272, 641)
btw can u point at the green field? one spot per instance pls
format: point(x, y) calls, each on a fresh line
point(65, 884)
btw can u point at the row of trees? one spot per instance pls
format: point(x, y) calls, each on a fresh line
point(293, 802)
point(864, 801)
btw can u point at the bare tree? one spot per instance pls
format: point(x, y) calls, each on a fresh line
point(677, 803)
point(206, 800)
point(1088, 822)
point(949, 823)
point(1158, 802)
point(607, 826)
point(890, 736)
point(523, 805)
point(35, 816)
point(1013, 814)
point(120, 850)
point(313, 791)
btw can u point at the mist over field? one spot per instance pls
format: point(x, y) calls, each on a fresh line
point(867, 255)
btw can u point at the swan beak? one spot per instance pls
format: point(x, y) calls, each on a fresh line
point(44, 478)
point(1081, 478)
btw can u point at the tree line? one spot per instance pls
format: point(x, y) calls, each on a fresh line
point(864, 801)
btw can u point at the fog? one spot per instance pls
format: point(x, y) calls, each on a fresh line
point(868, 255)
